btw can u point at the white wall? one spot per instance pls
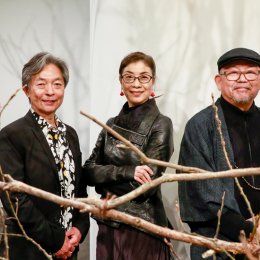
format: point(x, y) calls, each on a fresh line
point(185, 37)
point(60, 27)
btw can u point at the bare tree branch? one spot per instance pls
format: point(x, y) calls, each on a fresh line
point(9, 100)
point(181, 177)
point(200, 173)
point(19, 223)
point(219, 216)
point(103, 210)
point(4, 233)
point(215, 244)
point(223, 143)
point(142, 156)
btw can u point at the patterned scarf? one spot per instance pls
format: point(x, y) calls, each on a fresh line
point(56, 138)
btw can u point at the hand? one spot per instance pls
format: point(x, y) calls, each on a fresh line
point(66, 250)
point(142, 174)
point(74, 236)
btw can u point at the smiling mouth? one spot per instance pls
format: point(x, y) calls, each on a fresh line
point(242, 88)
point(136, 93)
point(49, 102)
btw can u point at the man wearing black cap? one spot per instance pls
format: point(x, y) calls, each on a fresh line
point(239, 82)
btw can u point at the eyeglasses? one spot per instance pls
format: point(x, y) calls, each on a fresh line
point(235, 75)
point(127, 78)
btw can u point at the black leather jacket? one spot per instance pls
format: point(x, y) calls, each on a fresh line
point(110, 168)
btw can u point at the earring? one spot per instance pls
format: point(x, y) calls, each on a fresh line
point(152, 94)
point(122, 93)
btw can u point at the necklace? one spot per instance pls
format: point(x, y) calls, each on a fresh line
point(249, 184)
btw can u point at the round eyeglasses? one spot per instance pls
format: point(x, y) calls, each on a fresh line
point(235, 75)
point(127, 78)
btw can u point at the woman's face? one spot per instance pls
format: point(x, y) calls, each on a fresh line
point(46, 91)
point(136, 92)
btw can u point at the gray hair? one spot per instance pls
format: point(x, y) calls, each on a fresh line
point(36, 64)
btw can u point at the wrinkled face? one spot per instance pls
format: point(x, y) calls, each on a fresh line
point(46, 91)
point(137, 93)
point(240, 92)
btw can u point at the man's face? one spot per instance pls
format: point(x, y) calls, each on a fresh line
point(46, 91)
point(242, 91)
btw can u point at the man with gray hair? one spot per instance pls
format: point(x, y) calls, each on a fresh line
point(239, 82)
point(42, 151)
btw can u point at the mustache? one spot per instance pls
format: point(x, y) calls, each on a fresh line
point(238, 86)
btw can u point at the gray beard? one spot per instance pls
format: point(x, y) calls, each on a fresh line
point(243, 100)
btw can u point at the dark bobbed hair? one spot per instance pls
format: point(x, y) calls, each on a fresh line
point(36, 64)
point(135, 57)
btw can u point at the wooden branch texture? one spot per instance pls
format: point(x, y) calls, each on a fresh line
point(98, 208)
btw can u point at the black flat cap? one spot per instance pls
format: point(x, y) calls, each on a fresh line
point(238, 54)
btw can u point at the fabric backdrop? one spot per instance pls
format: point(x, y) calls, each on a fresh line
point(185, 38)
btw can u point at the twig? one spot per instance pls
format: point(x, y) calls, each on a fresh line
point(171, 249)
point(249, 253)
point(182, 226)
point(4, 233)
point(142, 156)
point(219, 215)
point(217, 245)
point(180, 177)
point(230, 166)
point(8, 101)
point(18, 186)
point(170, 178)
point(98, 208)
point(19, 223)
point(211, 252)
point(11, 234)
point(228, 160)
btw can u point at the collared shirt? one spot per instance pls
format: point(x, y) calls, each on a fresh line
point(56, 138)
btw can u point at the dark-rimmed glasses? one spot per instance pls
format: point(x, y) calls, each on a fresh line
point(127, 78)
point(235, 75)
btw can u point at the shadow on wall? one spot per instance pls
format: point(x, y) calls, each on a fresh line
point(84, 249)
point(170, 204)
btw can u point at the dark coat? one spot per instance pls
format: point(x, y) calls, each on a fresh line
point(201, 147)
point(26, 156)
point(200, 201)
point(111, 169)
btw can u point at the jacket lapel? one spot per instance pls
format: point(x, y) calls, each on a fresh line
point(152, 114)
point(141, 128)
point(37, 132)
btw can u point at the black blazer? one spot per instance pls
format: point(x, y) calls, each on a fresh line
point(26, 156)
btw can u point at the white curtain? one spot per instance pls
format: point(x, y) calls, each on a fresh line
point(185, 37)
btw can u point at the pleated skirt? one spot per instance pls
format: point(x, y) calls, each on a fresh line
point(128, 243)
